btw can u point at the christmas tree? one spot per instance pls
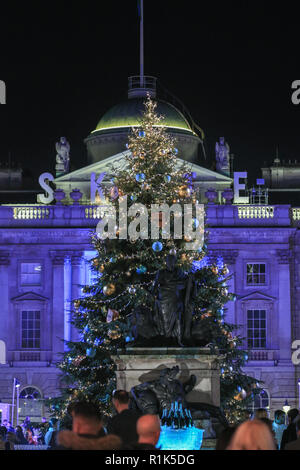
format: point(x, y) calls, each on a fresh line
point(127, 267)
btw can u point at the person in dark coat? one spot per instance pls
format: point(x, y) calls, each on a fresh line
point(87, 431)
point(295, 445)
point(20, 436)
point(290, 434)
point(124, 423)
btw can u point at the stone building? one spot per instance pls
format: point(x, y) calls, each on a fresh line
point(45, 249)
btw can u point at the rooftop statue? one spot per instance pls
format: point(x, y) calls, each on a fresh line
point(222, 155)
point(63, 155)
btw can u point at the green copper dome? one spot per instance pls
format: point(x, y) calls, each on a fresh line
point(128, 114)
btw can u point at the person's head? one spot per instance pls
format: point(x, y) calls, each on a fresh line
point(121, 400)
point(19, 429)
point(279, 417)
point(225, 437)
point(44, 420)
point(252, 435)
point(297, 423)
point(4, 422)
point(148, 429)
point(292, 414)
point(86, 419)
point(261, 413)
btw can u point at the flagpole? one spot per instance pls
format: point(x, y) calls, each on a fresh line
point(142, 44)
point(13, 402)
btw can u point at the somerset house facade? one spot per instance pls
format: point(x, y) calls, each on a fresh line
point(45, 251)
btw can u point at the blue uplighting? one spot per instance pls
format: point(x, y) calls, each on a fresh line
point(180, 439)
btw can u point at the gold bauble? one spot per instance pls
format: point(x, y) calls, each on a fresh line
point(109, 289)
point(215, 269)
point(101, 268)
point(182, 191)
point(238, 397)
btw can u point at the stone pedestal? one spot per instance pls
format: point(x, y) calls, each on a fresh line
point(139, 365)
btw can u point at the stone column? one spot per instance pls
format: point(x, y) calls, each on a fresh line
point(4, 310)
point(67, 299)
point(284, 305)
point(77, 283)
point(58, 261)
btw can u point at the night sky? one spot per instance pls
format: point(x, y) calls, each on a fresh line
point(232, 66)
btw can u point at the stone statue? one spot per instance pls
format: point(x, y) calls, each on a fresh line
point(173, 292)
point(153, 396)
point(223, 156)
point(63, 155)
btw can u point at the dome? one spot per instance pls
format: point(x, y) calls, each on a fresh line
point(128, 114)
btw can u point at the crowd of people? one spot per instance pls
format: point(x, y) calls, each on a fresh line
point(129, 430)
point(260, 433)
point(26, 434)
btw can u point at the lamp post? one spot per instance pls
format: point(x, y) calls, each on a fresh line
point(18, 399)
point(286, 408)
point(16, 387)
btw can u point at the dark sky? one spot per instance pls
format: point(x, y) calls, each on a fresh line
point(232, 65)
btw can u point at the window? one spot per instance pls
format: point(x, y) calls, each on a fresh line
point(31, 329)
point(261, 400)
point(2, 352)
point(31, 274)
point(31, 404)
point(256, 274)
point(257, 329)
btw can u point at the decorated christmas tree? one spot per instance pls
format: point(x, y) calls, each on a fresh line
point(130, 254)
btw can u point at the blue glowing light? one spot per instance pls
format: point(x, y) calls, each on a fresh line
point(98, 341)
point(157, 246)
point(197, 265)
point(180, 439)
point(140, 177)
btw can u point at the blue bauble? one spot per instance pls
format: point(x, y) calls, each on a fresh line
point(90, 352)
point(142, 134)
point(141, 269)
point(86, 329)
point(239, 389)
point(167, 178)
point(133, 197)
point(176, 151)
point(157, 246)
point(113, 260)
point(98, 341)
point(140, 177)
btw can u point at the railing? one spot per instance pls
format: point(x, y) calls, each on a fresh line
point(262, 355)
point(80, 215)
point(94, 212)
point(31, 213)
point(29, 356)
point(256, 212)
point(296, 213)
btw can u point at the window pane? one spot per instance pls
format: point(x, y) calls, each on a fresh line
point(31, 273)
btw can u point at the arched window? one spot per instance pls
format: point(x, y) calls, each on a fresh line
point(2, 352)
point(31, 404)
point(262, 400)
